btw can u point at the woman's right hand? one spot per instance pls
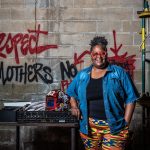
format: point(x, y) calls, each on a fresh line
point(75, 112)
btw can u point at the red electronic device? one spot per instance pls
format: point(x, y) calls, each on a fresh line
point(57, 100)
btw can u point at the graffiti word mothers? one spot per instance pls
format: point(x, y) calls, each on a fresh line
point(25, 73)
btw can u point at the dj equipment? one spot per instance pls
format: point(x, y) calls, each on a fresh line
point(55, 109)
point(46, 116)
point(57, 100)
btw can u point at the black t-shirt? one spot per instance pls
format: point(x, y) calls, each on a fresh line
point(95, 99)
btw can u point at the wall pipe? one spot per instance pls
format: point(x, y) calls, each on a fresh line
point(144, 15)
point(143, 55)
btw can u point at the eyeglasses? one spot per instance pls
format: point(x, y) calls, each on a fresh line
point(100, 54)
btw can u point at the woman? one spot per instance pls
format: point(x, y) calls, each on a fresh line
point(103, 98)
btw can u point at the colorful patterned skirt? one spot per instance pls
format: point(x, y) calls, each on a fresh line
point(100, 138)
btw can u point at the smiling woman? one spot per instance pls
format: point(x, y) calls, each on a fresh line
point(99, 53)
point(103, 97)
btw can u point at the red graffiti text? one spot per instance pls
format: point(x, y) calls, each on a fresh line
point(127, 62)
point(28, 43)
point(65, 84)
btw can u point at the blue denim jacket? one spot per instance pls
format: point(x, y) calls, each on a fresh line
point(118, 90)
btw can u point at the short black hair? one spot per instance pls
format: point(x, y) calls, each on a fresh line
point(99, 40)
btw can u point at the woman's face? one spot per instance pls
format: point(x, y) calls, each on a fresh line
point(98, 56)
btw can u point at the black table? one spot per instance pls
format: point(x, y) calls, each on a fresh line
point(72, 126)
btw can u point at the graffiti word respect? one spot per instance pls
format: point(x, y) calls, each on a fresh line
point(27, 43)
point(25, 73)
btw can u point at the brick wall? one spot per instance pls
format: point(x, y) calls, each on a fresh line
point(70, 24)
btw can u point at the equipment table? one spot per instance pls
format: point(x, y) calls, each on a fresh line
point(72, 126)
